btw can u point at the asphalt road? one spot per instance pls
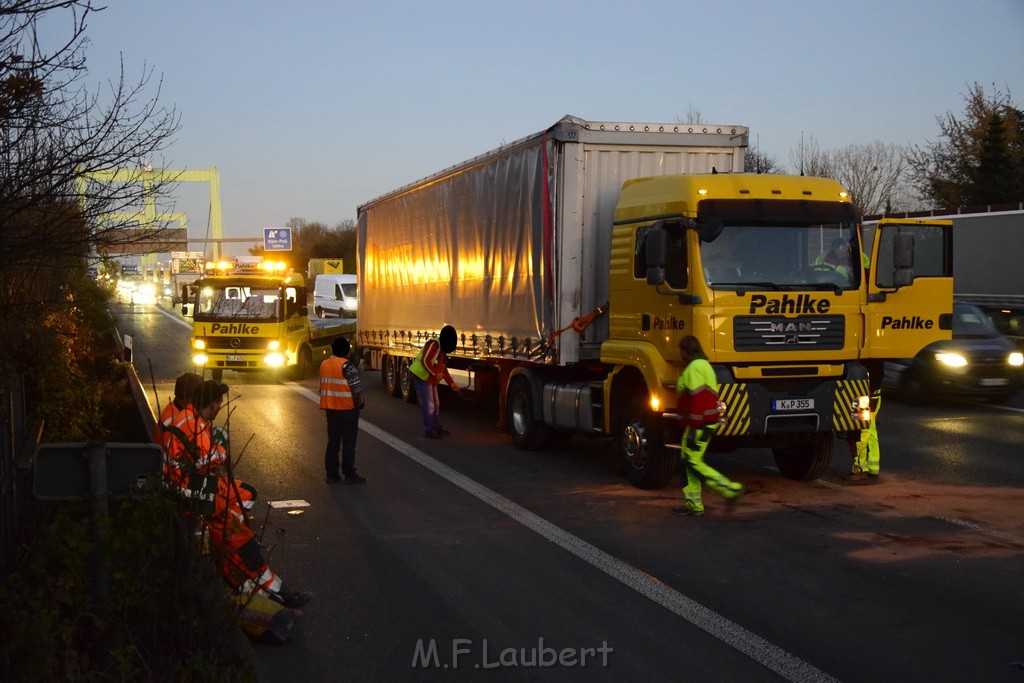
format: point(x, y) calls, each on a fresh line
point(466, 558)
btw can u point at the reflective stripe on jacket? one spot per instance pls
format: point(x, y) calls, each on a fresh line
point(335, 392)
point(697, 394)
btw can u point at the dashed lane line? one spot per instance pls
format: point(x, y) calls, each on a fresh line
point(757, 648)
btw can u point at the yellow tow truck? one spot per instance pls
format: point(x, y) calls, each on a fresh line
point(249, 317)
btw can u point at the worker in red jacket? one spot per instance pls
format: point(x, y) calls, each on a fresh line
point(428, 368)
point(697, 404)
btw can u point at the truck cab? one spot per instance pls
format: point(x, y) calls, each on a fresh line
point(770, 273)
point(248, 322)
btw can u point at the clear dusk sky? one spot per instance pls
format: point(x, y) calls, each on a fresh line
point(309, 108)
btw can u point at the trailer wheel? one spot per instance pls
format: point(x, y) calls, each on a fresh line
point(640, 443)
point(528, 431)
point(389, 375)
point(407, 389)
point(807, 460)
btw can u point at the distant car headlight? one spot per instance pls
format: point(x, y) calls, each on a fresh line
point(1016, 359)
point(953, 360)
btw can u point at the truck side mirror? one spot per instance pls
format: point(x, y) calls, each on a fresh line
point(903, 277)
point(655, 252)
point(903, 250)
point(186, 310)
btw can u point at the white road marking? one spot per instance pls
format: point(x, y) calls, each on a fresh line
point(760, 650)
point(175, 318)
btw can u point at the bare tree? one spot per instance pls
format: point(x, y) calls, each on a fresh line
point(54, 131)
point(693, 115)
point(757, 161)
point(873, 174)
point(810, 159)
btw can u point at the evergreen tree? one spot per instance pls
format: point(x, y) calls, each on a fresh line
point(981, 158)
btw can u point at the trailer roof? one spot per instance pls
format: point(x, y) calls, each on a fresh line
point(573, 129)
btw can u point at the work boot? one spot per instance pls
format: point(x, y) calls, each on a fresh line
point(292, 599)
point(431, 434)
point(854, 477)
point(443, 431)
point(731, 501)
point(687, 512)
point(354, 479)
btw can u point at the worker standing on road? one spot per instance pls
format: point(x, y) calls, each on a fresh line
point(429, 367)
point(341, 399)
point(697, 403)
point(864, 451)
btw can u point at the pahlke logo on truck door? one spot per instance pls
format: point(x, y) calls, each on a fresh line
point(907, 323)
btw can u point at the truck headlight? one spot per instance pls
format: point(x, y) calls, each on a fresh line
point(274, 345)
point(274, 359)
point(1016, 359)
point(199, 359)
point(953, 360)
point(198, 343)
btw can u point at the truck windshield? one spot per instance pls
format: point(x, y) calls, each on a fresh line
point(790, 257)
point(236, 302)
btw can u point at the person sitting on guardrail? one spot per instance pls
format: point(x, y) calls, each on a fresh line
point(173, 412)
point(201, 453)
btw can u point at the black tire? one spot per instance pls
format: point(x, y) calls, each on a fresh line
point(297, 372)
point(911, 390)
point(805, 461)
point(317, 311)
point(640, 443)
point(525, 424)
point(217, 374)
point(406, 386)
point(389, 375)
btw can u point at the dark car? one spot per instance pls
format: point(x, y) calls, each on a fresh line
point(978, 362)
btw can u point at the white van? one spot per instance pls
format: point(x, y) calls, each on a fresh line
point(334, 294)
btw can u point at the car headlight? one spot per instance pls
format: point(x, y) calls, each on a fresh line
point(953, 360)
point(1016, 359)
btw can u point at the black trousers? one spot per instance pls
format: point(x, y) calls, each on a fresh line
point(342, 430)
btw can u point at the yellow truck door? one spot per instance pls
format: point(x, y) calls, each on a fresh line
point(910, 287)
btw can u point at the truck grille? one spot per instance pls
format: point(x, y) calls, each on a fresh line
point(230, 344)
point(778, 333)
